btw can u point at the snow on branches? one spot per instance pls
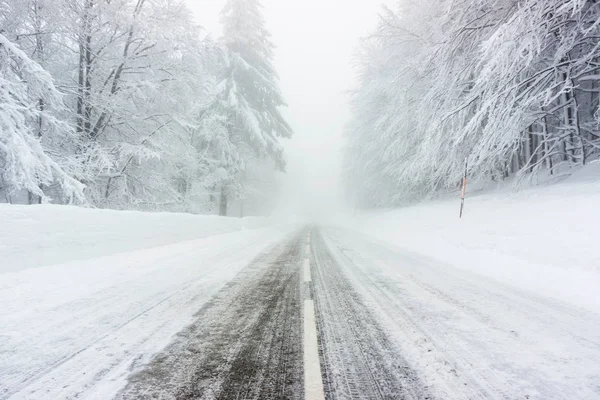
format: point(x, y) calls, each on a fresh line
point(150, 112)
point(27, 93)
point(509, 86)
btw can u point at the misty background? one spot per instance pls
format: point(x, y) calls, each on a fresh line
point(316, 44)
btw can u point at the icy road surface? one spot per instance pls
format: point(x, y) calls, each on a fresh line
point(269, 314)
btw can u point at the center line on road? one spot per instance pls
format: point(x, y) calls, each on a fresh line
point(307, 277)
point(313, 383)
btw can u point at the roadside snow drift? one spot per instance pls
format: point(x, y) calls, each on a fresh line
point(80, 327)
point(33, 236)
point(544, 240)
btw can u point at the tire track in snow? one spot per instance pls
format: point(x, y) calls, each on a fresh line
point(359, 360)
point(244, 344)
point(471, 337)
point(109, 351)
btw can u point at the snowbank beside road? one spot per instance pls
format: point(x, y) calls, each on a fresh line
point(543, 240)
point(89, 295)
point(34, 236)
point(78, 329)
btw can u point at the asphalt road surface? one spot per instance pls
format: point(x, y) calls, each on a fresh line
point(290, 326)
point(329, 313)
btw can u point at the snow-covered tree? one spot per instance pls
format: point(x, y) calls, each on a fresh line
point(250, 96)
point(24, 163)
point(137, 76)
point(509, 86)
point(147, 111)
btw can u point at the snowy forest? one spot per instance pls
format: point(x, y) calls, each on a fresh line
point(506, 89)
point(129, 104)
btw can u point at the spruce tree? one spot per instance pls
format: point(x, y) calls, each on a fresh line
point(250, 90)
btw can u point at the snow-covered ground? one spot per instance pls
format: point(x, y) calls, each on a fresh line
point(467, 336)
point(34, 236)
point(502, 303)
point(82, 325)
point(543, 240)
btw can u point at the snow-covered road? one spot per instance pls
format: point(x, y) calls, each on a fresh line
point(222, 317)
point(466, 335)
point(78, 329)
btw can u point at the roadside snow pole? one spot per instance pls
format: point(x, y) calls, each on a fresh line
point(464, 190)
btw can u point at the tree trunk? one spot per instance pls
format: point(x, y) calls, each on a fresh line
point(223, 202)
point(80, 93)
point(33, 198)
point(577, 126)
point(594, 95)
point(546, 151)
point(514, 163)
point(522, 159)
point(107, 191)
point(531, 148)
point(40, 53)
point(569, 123)
point(84, 70)
point(87, 112)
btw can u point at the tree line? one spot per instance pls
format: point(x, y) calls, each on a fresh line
point(507, 88)
point(129, 104)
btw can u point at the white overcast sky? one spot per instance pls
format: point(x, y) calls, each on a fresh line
point(315, 41)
